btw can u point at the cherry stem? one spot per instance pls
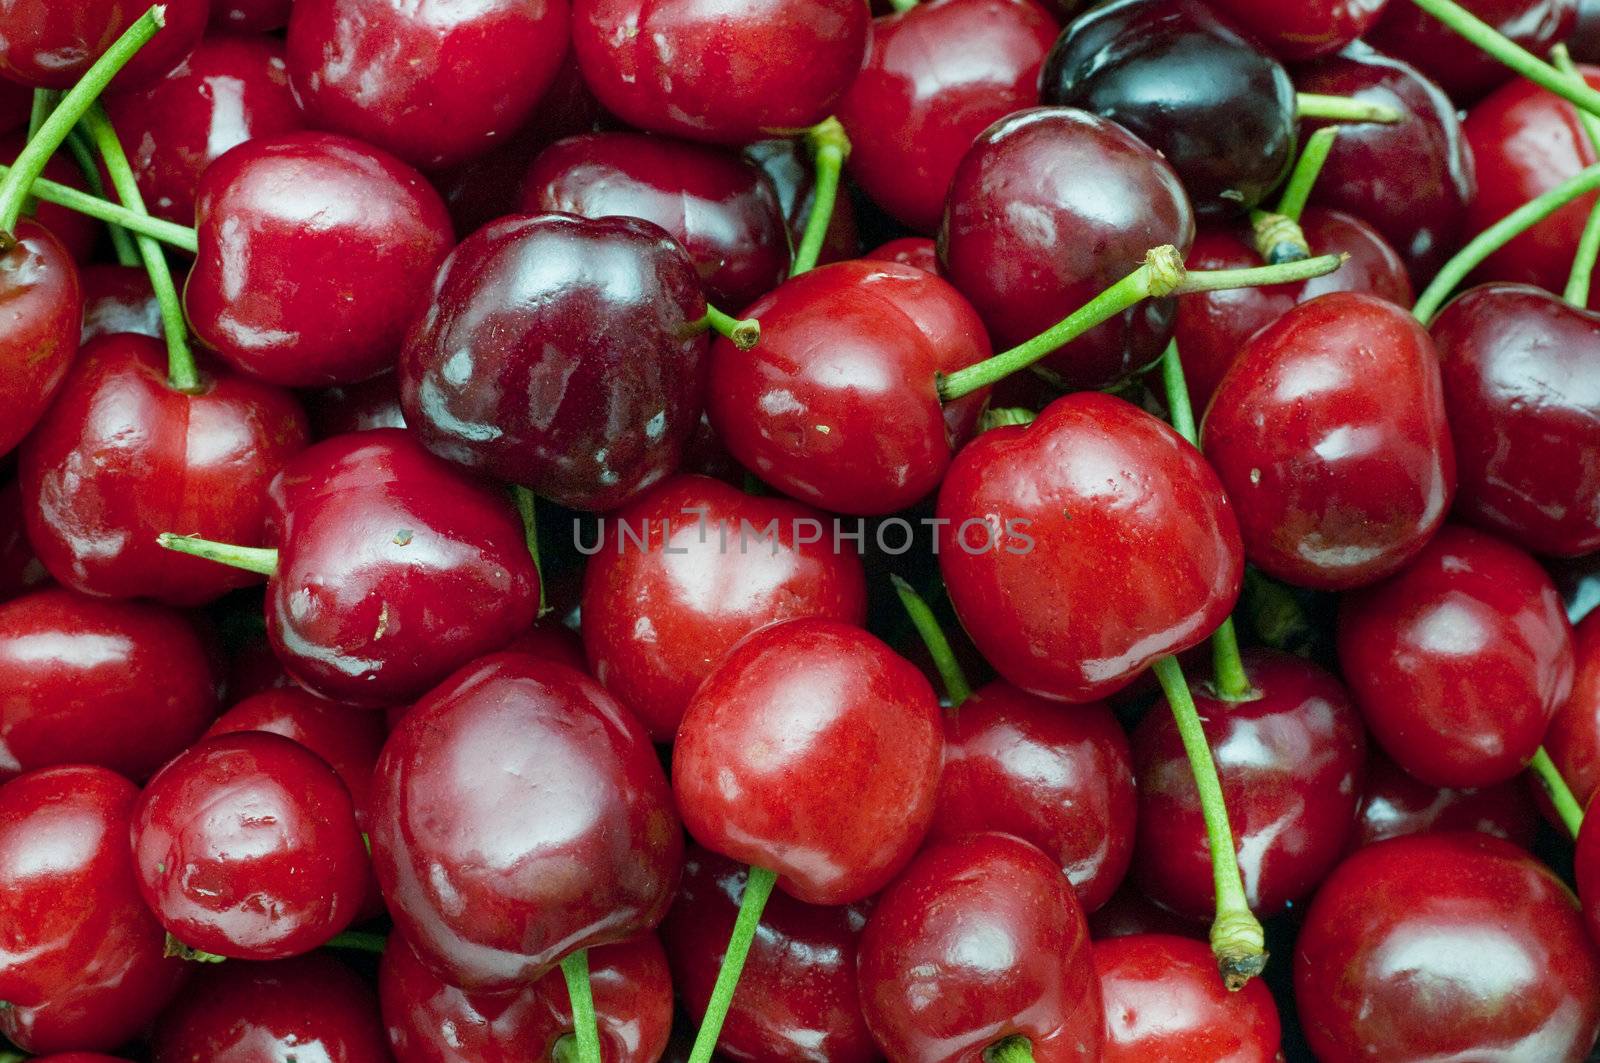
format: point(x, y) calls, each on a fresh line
point(1343, 109)
point(1297, 190)
point(170, 233)
point(1555, 787)
point(250, 558)
point(744, 332)
point(1237, 940)
point(527, 509)
point(1512, 54)
point(1006, 417)
point(575, 969)
point(757, 888)
point(175, 949)
point(956, 687)
point(1577, 290)
point(1179, 409)
point(44, 101)
point(83, 155)
point(1278, 238)
point(358, 941)
point(1161, 275)
point(31, 162)
point(829, 148)
point(1498, 235)
point(1017, 1049)
point(902, 6)
point(8, 1056)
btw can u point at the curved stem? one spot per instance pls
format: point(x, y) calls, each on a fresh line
point(1498, 235)
point(902, 6)
point(1237, 939)
point(575, 969)
point(527, 509)
point(1578, 279)
point(829, 147)
point(1278, 238)
point(29, 164)
point(1011, 1050)
point(358, 941)
point(1343, 109)
point(250, 558)
point(170, 233)
point(1556, 788)
point(1313, 156)
point(757, 888)
point(83, 155)
point(1179, 409)
point(745, 333)
point(956, 687)
point(44, 101)
point(1511, 54)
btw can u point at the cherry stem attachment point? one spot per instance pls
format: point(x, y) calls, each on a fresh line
point(744, 332)
point(830, 147)
point(358, 941)
point(1501, 48)
point(180, 236)
point(1278, 238)
point(585, 1027)
point(956, 688)
point(1578, 280)
point(83, 154)
point(1555, 787)
point(249, 558)
point(1016, 1049)
point(527, 509)
point(757, 888)
point(1343, 109)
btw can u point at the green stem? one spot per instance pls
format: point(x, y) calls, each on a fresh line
point(1006, 417)
point(44, 101)
point(1556, 788)
point(358, 941)
point(1343, 109)
point(565, 1050)
point(745, 333)
point(1578, 280)
point(1016, 1049)
point(8, 1056)
point(902, 6)
point(829, 147)
point(250, 558)
point(956, 687)
point(1513, 55)
point(1278, 238)
point(1498, 235)
point(1237, 939)
point(1230, 682)
point(757, 888)
point(1292, 203)
point(83, 154)
point(1179, 407)
point(175, 949)
point(575, 969)
point(54, 130)
point(174, 235)
point(527, 509)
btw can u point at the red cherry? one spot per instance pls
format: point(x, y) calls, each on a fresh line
point(308, 305)
point(520, 814)
point(1078, 237)
point(551, 641)
point(1460, 660)
point(812, 751)
point(87, 681)
point(1036, 548)
point(78, 1057)
point(431, 1021)
point(1460, 68)
point(1586, 870)
point(118, 299)
point(980, 940)
point(50, 44)
point(1306, 29)
point(1394, 804)
point(918, 251)
point(249, 16)
point(838, 405)
point(41, 313)
point(795, 181)
point(1164, 1001)
point(1573, 739)
point(20, 568)
point(1446, 946)
point(78, 233)
point(707, 71)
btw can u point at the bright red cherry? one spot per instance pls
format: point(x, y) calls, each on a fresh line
point(78, 233)
point(813, 751)
point(118, 299)
point(519, 814)
point(87, 681)
point(20, 568)
point(315, 253)
point(1036, 551)
point(431, 1021)
point(1460, 660)
point(1446, 946)
point(980, 940)
point(1573, 739)
point(838, 405)
point(1460, 68)
point(1394, 804)
point(41, 313)
point(1305, 29)
point(703, 70)
point(918, 251)
point(50, 44)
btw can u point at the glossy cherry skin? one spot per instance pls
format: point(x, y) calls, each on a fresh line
point(1394, 804)
point(675, 582)
point(433, 85)
point(249, 16)
point(918, 251)
point(78, 233)
point(1164, 1001)
point(936, 76)
point(1040, 523)
point(837, 814)
point(87, 681)
point(717, 205)
point(1306, 29)
point(1586, 870)
point(41, 310)
point(359, 407)
point(393, 569)
point(1059, 778)
point(838, 405)
point(118, 299)
point(1213, 326)
point(786, 164)
point(308, 305)
point(431, 1021)
point(797, 999)
point(561, 353)
point(1413, 180)
point(706, 71)
point(1329, 434)
point(1460, 660)
point(48, 44)
point(1461, 69)
point(1081, 236)
point(1573, 739)
point(1446, 946)
point(1291, 764)
point(121, 457)
point(79, 941)
point(519, 814)
point(309, 1008)
point(981, 939)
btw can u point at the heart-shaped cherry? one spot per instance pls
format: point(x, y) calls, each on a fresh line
point(1459, 67)
point(1394, 804)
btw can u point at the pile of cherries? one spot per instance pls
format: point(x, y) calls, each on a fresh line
point(799, 531)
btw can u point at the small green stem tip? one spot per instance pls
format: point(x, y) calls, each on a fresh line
point(1006, 417)
point(527, 509)
point(175, 949)
point(956, 687)
point(757, 888)
point(1556, 788)
point(249, 558)
point(1344, 109)
point(585, 1027)
point(1015, 1049)
point(745, 333)
point(1278, 238)
point(358, 941)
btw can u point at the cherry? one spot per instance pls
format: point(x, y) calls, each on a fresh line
point(249, 16)
point(1080, 236)
point(935, 76)
point(78, 233)
point(1460, 660)
point(675, 583)
point(838, 814)
point(307, 1008)
point(118, 299)
point(79, 1057)
point(1573, 738)
point(41, 311)
point(794, 179)
point(519, 815)
point(1036, 544)
point(1306, 29)
point(20, 568)
point(433, 86)
point(797, 999)
point(717, 205)
point(1394, 804)
point(1291, 762)
point(87, 681)
point(560, 353)
point(431, 1021)
point(706, 71)
point(1163, 1000)
point(918, 251)
point(373, 403)
point(981, 940)
point(1442, 946)
point(838, 404)
point(1460, 68)
point(82, 965)
point(1586, 870)
point(49, 44)
point(301, 305)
